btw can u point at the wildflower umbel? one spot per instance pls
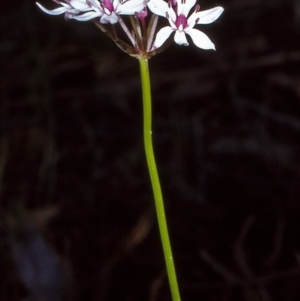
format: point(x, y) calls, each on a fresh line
point(85, 10)
point(177, 14)
point(144, 42)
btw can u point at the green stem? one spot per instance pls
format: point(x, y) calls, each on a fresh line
point(159, 203)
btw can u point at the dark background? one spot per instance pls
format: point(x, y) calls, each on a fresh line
point(77, 219)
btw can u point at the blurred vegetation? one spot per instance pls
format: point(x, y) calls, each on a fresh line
point(74, 188)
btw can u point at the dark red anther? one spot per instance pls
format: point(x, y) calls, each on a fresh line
point(197, 8)
point(174, 3)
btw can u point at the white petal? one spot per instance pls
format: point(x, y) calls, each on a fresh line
point(116, 5)
point(172, 17)
point(95, 4)
point(162, 36)
point(184, 8)
point(87, 16)
point(112, 19)
point(80, 5)
point(180, 38)
point(56, 11)
point(65, 5)
point(130, 7)
point(206, 16)
point(158, 7)
point(200, 39)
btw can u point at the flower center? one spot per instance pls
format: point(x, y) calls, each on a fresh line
point(181, 22)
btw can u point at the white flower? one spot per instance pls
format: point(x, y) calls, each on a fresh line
point(177, 14)
point(107, 10)
point(73, 9)
point(113, 8)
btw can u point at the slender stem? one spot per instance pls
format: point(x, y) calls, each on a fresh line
point(159, 203)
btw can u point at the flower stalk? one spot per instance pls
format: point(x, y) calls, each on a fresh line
point(159, 203)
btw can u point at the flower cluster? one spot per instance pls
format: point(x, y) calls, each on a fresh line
point(85, 10)
point(177, 12)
